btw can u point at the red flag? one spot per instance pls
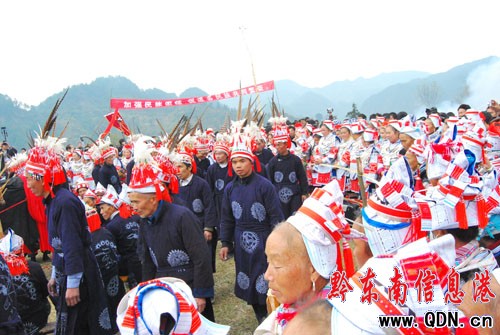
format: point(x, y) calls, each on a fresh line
point(118, 122)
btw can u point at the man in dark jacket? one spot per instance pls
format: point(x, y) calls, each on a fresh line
point(171, 241)
point(75, 280)
point(108, 175)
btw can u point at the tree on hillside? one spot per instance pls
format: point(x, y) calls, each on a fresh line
point(428, 94)
point(354, 113)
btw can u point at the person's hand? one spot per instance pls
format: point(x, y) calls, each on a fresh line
point(201, 302)
point(208, 235)
point(223, 253)
point(51, 287)
point(304, 197)
point(72, 296)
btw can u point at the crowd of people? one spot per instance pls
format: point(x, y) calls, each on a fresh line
point(288, 201)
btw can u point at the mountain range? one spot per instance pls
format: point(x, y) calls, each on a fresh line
point(82, 112)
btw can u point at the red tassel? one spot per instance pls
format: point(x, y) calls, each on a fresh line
point(339, 258)
point(229, 169)
point(461, 215)
point(419, 185)
point(94, 222)
point(257, 163)
point(124, 211)
point(173, 185)
point(158, 191)
point(166, 196)
point(193, 166)
point(481, 212)
point(348, 260)
point(47, 187)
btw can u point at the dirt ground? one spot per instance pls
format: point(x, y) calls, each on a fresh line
point(229, 310)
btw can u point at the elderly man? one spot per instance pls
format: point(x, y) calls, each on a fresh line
point(171, 241)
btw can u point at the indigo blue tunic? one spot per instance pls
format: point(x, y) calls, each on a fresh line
point(126, 234)
point(218, 179)
point(70, 237)
point(289, 178)
point(250, 210)
point(171, 244)
point(198, 198)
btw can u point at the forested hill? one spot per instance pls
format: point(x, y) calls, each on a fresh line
point(85, 105)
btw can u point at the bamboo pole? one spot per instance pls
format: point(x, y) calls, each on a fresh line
point(361, 182)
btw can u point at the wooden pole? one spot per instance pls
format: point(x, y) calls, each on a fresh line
point(361, 182)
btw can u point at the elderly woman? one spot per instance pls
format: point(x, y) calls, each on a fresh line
point(432, 127)
point(408, 135)
point(356, 316)
point(302, 255)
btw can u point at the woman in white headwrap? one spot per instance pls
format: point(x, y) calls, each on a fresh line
point(432, 127)
point(324, 154)
point(302, 254)
point(391, 148)
point(346, 149)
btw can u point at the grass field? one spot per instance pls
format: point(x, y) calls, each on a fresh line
point(229, 310)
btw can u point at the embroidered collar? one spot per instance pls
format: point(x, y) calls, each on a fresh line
point(284, 314)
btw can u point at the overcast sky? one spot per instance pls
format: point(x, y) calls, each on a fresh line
point(174, 45)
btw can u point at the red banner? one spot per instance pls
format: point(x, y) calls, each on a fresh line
point(147, 104)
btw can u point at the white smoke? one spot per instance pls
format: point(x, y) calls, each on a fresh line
point(484, 85)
